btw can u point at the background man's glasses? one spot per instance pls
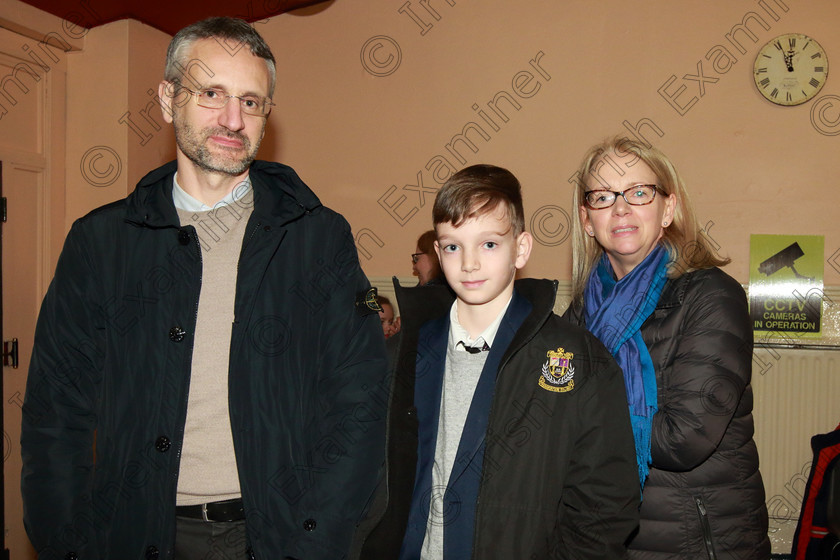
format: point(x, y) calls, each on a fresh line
point(637, 195)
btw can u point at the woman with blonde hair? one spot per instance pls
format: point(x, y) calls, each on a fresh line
point(646, 281)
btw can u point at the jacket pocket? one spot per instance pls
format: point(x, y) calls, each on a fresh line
point(705, 528)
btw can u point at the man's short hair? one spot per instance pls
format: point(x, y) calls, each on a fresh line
point(478, 190)
point(231, 32)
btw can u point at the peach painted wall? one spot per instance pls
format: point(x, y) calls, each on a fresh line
point(367, 97)
point(114, 129)
point(369, 102)
point(150, 140)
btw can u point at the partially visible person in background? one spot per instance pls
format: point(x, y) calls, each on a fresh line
point(390, 323)
point(390, 328)
point(647, 283)
point(424, 260)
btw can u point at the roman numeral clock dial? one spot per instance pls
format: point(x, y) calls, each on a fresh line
point(790, 69)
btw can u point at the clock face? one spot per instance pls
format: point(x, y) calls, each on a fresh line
point(790, 69)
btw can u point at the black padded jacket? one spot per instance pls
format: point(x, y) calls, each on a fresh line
point(704, 497)
point(111, 365)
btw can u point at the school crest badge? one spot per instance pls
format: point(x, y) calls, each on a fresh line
point(558, 372)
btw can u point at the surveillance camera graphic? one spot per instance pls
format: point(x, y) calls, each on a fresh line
point(782, 259)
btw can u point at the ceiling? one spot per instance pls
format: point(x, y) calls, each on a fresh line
point(166, 16)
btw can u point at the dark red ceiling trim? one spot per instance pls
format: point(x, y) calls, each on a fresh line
point(169, 17)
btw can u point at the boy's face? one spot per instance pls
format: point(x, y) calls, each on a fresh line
point(481, 256)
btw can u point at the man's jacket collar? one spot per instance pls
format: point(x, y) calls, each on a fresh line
point(279, 196)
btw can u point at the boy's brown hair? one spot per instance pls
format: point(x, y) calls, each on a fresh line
point(478, 190)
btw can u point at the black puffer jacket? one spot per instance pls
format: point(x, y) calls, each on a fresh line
point(704, 497)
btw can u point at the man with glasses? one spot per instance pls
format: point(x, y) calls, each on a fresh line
point(208, 373)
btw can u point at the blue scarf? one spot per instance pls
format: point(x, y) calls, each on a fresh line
point(614, 312)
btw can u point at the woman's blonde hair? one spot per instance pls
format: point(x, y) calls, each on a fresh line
point(688, 248)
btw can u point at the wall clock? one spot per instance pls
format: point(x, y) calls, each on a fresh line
point(790, 69)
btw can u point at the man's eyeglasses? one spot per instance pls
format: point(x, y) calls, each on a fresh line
point(415, 257)
point(637, 195)
point(217, 98)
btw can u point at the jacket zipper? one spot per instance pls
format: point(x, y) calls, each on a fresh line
point(177, 473)
point(246, 242)
point(705, 527)
point(502, 364)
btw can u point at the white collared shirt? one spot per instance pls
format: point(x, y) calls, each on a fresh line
point(459, 337)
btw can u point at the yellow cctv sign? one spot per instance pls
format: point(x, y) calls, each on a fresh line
point(786, 282)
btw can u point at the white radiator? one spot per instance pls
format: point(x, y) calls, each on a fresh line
point(796, 398)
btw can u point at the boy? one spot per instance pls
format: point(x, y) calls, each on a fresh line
point(509, 435)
